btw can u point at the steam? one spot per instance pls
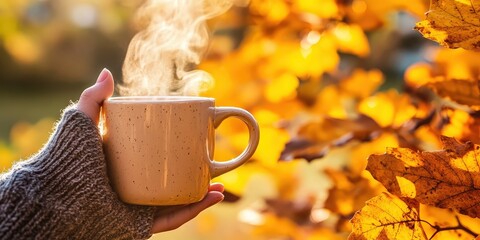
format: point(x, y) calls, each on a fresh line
point(162, 56)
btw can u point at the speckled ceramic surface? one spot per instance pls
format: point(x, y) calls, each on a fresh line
point(159, 149)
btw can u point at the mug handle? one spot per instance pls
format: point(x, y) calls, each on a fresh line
point(221, 113)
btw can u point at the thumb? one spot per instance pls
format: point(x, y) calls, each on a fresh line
point(92, 98)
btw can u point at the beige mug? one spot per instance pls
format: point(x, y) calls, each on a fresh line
point(159, 150)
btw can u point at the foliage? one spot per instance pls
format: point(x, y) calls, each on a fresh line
point(452, 23)
point(388, 217)
point(316, 77)
point(289, 64)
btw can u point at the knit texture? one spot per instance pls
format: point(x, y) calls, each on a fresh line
point(63, 191)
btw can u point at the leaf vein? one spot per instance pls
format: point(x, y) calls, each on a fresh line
point(456, 17)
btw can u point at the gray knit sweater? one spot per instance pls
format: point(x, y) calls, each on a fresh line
point(63, 192)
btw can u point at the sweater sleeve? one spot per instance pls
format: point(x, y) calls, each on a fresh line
point(63, 191)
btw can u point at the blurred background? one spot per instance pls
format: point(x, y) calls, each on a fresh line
point(306, 69)
point(50, 51)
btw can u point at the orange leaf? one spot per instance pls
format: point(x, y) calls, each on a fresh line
point(362, 83)
point(446, 179)
point(461, 91)
point(387, 217)
point(452, 23)
point(348, 192)
point(315, 138)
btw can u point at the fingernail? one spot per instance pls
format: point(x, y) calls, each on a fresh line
point(103, 75)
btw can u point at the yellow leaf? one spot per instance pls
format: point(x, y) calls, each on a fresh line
point(282, 88)
point(418, 74)
point(407, 188)
point(284, 110)
point(266, 117)
point(362, 83)
point(371, 14)
point(274, 11)
point(255, 47)
point(458, 120)
point(232, 79)
point(457, 63)
point(388, 217)
point(417, 7)
point(268, 153)
point(236, 181)
point(351, 39)
point(324, 9)
point(379, 103)
point(395, 108)
point(311, 59)
point(445, 179)
point(452, 23)
point(429, 140)
point(331, 101)
point(361, 152)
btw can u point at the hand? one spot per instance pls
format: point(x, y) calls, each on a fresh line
point(169, 218)
point(166, 218)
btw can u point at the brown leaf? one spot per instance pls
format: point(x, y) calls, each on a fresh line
point(297, 211)
point(461, 91)
point(349, 192)
point(230, 197)
point(387, 217)
point(453, 24)
point(447, 179)
point(316, 138)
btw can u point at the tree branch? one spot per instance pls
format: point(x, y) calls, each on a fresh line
point(459, 226)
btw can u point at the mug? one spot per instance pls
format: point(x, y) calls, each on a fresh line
point(159, 150)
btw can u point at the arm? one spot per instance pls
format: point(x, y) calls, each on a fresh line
point(63, 191)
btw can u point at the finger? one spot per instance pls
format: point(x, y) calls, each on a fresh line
point(162, 210)
point(92, 98)
point(218, 187)
point(176, 219)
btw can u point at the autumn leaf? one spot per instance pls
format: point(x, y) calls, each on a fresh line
point(370, 14)
point(349, 192)
point(389, 108)
point(273, 11)
point(457, 63)
point(351, 39)
point(387, 217)
point(316, 138)
point(461, 91)
point(297, 211)
point(461, 227)
point(328, 8)
point(446, 179)
point(418, 74)
point(362, 83)
point(453, 23)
